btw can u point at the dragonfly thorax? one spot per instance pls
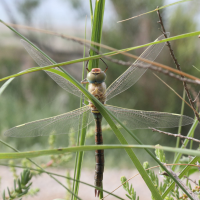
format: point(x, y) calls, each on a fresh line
point(96, 76)
point(97, 86)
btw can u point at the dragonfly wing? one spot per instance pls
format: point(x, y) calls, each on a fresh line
point(134, 72)
point(42, 61)
point(139, 119)
point(61, 124)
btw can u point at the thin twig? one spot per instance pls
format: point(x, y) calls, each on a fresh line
point(193, 195)
point(120, 62)
point(191, 180)
point(183, 145)
point(177, 64)
point(196, 97)
point(176, 93)
point(170, 74)
point(175, 135)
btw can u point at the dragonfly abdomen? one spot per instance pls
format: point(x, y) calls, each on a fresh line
point(99, 154)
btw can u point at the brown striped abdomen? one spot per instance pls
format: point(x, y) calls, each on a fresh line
point(99, 154)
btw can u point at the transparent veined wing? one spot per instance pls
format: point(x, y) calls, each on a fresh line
point(61, 124)
point(133, 73)
point(42, 61)
point(139, 119)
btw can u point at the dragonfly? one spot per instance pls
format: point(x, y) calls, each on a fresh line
point(133, 119)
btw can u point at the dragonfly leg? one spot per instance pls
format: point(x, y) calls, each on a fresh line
point(87, 66)
point(101, 60)
point(84, 81)
point(105, 64)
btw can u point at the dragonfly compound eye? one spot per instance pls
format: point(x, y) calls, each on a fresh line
point(100, 77)
point(93, 77)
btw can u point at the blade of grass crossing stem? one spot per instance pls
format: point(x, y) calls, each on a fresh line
point(67, 150)
point(78, 136)
point(180, 127)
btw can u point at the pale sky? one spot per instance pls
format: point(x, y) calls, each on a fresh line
point(58, 12)
point(61, 13)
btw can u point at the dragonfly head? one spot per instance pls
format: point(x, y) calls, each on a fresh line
point(96, 75)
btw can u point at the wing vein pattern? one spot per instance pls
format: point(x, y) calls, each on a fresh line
point(60, 124)
point(42, 61)
point(134, 72)
point(139, 119)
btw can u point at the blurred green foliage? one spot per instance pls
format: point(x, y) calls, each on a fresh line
point(36, 96)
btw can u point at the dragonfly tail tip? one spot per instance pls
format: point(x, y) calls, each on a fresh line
point(97, 192)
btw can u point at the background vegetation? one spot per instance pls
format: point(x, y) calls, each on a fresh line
point(36, 96)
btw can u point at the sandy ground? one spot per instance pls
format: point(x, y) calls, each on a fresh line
point(50, 190)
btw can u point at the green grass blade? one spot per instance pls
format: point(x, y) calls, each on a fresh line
point(91, 14)
point(180, 127)
point(190, 133)
point(80, 157)
point(5, 85)
point(83, 132)
point(97, 31)
point(33, 154)
point(74, 149)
